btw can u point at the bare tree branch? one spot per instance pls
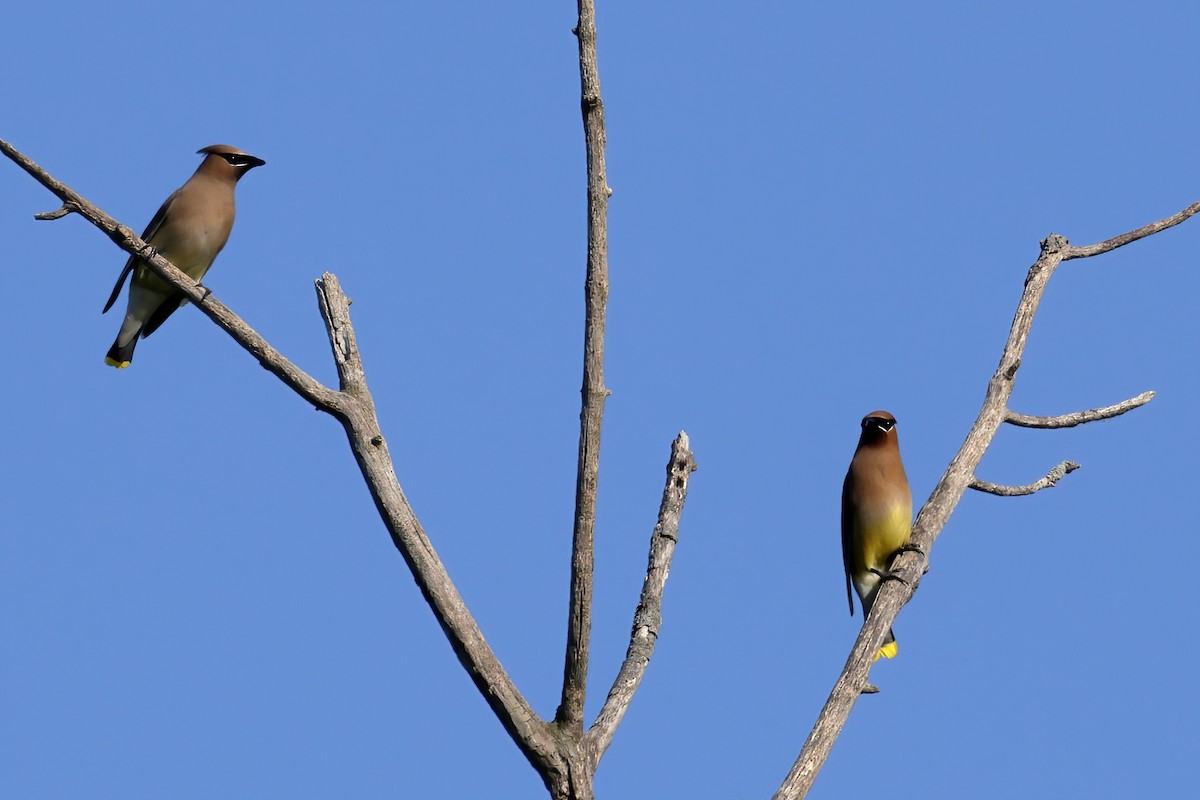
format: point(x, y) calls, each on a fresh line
point(910, 564)
point(579, 615)
point(335, 311)
point(301, 382)
point(58, 213)
point(560, 752)
point(355, 409)
point(371, 452)
point(1051, 478)
point(1078, 417)
point(531, 734)
point(1125, 238)
point(647, 620)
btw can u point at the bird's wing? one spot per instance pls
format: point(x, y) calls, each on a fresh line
point(151, 229)
point(847, 526)
point(165, 309)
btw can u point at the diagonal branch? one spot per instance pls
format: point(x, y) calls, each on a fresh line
point(1078, 417)
point(1051, 478)
point(370, 450)
point(579, 615)
point(301, 382)
point(647, 620)
point(355, 409)
point(1132, 236)
point(908, 566)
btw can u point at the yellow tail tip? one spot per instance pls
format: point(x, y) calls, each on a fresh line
point(112, 362)
point(889, 650)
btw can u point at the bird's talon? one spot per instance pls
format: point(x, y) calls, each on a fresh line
point(888, 575)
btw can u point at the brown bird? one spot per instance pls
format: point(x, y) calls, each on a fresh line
point(189, 231)
point(876, 513)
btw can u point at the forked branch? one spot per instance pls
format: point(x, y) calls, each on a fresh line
point(562, 754)
point(909, 565)
point(355, 409)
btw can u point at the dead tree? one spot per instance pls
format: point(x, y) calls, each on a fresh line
point(563, 752)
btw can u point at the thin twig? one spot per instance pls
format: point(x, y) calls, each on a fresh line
point(1051, 478)
point(1132, 236)
point(647, 620)
point(1078, 417)
point(909, 565)
point(58, 213)
point(579, 615)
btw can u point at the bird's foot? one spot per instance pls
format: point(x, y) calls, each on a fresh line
point(913, 547)
point(889, 575)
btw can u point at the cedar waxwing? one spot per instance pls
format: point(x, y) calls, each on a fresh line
point(876, 513)
point(189, 230)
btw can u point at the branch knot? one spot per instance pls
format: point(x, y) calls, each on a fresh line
point(1054, 243)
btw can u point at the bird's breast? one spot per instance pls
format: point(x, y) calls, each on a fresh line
point(193, 248)
point(881, 523)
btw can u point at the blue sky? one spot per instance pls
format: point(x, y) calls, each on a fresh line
point(818, 210)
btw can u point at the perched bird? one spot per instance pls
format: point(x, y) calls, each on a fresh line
point(189, 230)
point(876, 513)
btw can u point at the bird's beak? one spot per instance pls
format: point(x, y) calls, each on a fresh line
point(254, 162)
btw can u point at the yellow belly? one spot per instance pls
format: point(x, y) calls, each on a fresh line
point(878, 537)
